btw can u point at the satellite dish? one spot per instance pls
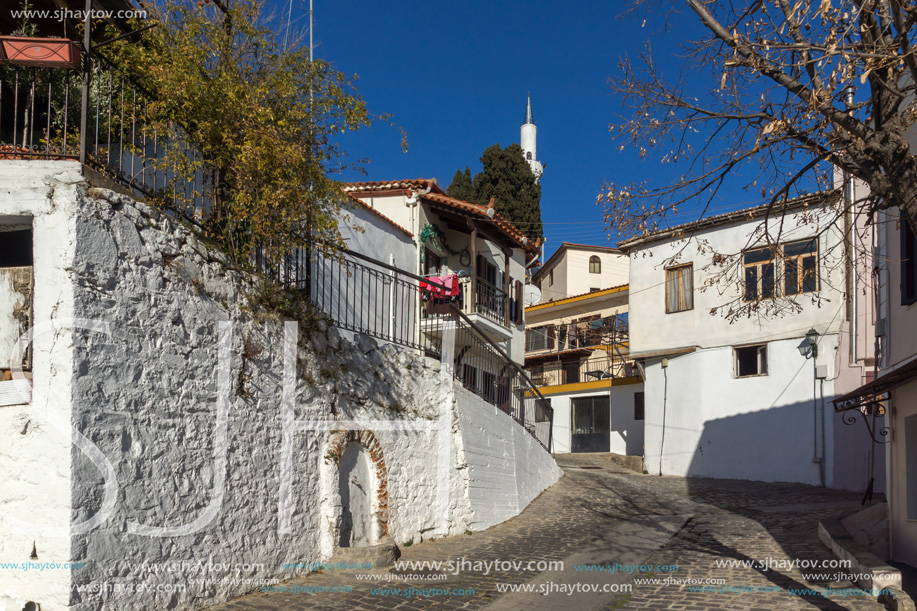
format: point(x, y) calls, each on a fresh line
point(532, 295)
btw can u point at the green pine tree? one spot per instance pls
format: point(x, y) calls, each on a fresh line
point(461, 186)
point(508, 178)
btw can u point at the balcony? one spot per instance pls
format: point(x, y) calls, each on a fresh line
point(579, 370)
point(42, 117)
point(488, 310)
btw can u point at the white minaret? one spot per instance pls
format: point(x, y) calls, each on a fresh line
point(527, 140)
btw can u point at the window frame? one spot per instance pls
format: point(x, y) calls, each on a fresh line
point(760, 362)
point(760, 273)
point(800, 267)
point(681, 298)
point(640, 405)
point(595, 264)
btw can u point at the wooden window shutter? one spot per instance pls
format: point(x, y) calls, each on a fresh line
point(519, 313)
point(551, 333)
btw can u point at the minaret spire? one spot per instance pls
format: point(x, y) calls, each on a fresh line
point(527, 139)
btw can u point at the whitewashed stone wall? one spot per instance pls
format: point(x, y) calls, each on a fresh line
point(507, 468)
point(144, 387)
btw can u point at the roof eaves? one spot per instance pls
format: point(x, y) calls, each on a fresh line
point(744, 214)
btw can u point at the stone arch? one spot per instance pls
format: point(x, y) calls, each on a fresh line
point(338, 443)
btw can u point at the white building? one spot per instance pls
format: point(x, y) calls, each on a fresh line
point(736, 398)
point(578, 268)
point(452, 236)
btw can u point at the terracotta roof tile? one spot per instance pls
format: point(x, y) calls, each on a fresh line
point(416, 184)
point(481, 211)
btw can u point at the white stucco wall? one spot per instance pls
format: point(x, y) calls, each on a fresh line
point(626, 432)
point(653, 329)
point(35, 446)
point(378, 239)
point(507, 467)
point(758, 428)
point(150, 398)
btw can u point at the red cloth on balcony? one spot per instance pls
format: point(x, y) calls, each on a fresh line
point(446, 287)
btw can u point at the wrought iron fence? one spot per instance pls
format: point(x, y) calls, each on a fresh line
point(489, 301)
point(584, 369)
point(367, 296)
point(40, 118)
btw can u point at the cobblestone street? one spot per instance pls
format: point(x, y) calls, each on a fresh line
point(598, 505)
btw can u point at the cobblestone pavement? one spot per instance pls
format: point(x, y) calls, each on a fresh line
point(730, 520)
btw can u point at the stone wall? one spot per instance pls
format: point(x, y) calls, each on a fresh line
point(209, 448)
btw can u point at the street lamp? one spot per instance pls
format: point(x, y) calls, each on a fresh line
point(809, 346)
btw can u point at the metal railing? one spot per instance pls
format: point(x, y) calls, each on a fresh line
point(489, 301)
point(40, 116)
point(572, 371)
point(363, 295)
point(557, 337)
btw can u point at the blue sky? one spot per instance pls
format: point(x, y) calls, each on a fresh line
point(455, 76)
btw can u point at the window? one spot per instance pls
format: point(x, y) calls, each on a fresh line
point(759, 273)
point(431, 262)
point(16, 248)
point(751, 361)
point(679, 288)
point(571, 372)
point(551, 278)
point(543, 410)
point(540, 338)
point(595, 265)
point(469, 377)
point(528, 155)
point(800, 267)
point(638, 406)
point(537, 373)
point(488, 386)
point(487, 271)
point(908, 264)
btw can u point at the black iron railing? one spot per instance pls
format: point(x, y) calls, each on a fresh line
point(363, 295)
point(40, 118)
point(575, 370)
point(489, 301)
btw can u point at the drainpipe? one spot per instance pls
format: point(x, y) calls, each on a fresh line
point(849, 254)
point(412, 203)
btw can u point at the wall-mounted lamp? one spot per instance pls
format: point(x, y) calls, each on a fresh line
point(809, 346)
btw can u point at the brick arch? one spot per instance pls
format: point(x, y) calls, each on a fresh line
point(338, 441)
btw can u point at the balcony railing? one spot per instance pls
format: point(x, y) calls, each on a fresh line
point(41, 112)
point(558, 337)
point(489, 301)
point(591, 369)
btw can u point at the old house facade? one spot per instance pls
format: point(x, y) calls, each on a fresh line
point(749, 397)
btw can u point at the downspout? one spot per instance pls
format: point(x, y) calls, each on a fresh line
point(412, 202)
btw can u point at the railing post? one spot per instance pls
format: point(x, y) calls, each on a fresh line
point(84, 104)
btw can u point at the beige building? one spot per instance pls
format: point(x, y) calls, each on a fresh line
point(574, 269)
point(577, 355)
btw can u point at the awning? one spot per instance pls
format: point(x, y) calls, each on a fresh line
point(874, 391)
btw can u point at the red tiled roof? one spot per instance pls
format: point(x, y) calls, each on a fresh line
point(481, 211)
point(416, 184)
point(361, 203)
point(777, 209)
point(590, 247)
